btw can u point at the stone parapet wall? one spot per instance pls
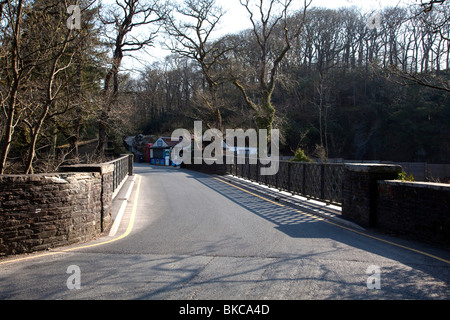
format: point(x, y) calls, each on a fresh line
point(416, 209)
point(106, 196)
point(359, 190)
point(43, 211)
point(219, 169)
point(39, 212)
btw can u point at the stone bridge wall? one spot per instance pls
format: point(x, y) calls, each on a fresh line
point(416, 210)
point(38, 212)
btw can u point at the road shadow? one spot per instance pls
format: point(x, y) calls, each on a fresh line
point(295, 224)
point(204, 275)
point(303, 224)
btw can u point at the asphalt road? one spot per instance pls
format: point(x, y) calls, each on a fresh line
point(186, 236)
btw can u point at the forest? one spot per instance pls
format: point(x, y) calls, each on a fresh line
point(337, 83)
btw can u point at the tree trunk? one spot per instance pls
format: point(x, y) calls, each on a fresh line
point(110, 98)
point(8, 132)
point(5, 144)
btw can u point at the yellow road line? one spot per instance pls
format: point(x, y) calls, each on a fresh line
point(278, 204)
point(376, 238)
point(126, 234)
point(349, 229)
point(133, 217)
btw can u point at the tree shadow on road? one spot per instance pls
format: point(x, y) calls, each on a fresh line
point(305, 224)
point(417, 275)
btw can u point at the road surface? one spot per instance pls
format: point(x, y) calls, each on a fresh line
point(190, 236)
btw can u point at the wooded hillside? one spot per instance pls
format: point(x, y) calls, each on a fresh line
point(337, 83)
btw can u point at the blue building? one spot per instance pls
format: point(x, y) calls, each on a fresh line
point(160, 152)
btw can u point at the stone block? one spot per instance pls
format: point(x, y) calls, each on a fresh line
point(359, 190)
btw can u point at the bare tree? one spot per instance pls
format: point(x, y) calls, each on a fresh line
point(430, 27)
point(125, 17)
point(15, 73)
point(88, 51)
point(38, 51)
point(268, 18)
point(192, 37)
point(48, 25)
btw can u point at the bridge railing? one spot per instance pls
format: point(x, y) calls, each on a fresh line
point(123, 167)
point(320, 181)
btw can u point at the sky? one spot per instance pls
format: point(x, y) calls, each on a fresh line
point(237, 18)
